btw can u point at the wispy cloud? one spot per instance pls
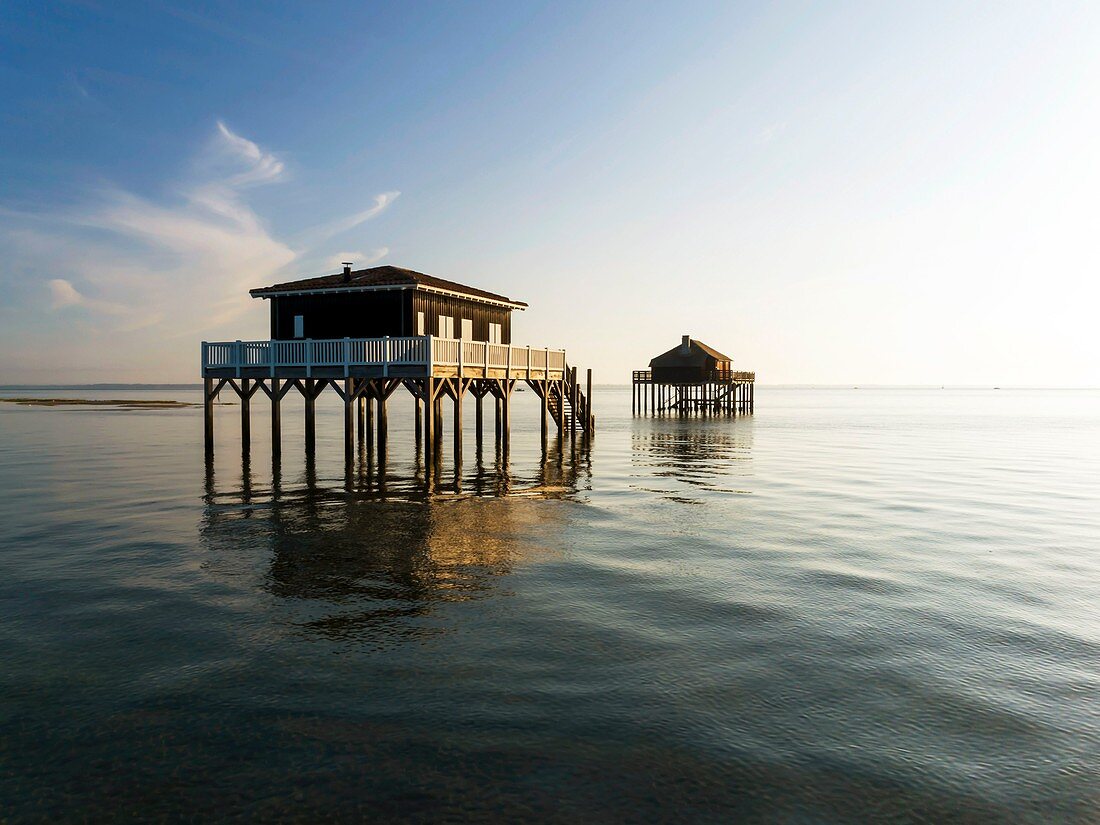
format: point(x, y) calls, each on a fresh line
point(262, 167)
point(319, 234)
point(63, 294)
point(124, 263)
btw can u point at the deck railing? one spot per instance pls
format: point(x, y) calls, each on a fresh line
point(427, 351)
point(712, 376)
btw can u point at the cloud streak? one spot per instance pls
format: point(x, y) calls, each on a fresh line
point(173, 268)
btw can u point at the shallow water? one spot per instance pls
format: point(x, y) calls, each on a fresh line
point(855, 605)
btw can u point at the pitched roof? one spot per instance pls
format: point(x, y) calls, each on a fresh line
point(380, 277)
point(674, 357)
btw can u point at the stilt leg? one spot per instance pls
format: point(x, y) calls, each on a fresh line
point(478, 419)
point(208, 415)
point(544, 428)
point(418, 426)
point(246, 416)
point(458, 427)
point(505, 422)
point(311, 420)
point(349, 421)
point(276, 419)
point(429, 425)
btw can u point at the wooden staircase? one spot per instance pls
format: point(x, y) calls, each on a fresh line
point(561, 406)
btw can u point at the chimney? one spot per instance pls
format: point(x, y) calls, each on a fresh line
point(685, 345)
point(347, 272)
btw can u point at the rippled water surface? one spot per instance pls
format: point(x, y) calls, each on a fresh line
point(856, 605)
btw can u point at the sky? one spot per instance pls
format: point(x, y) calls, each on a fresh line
point(832, 193)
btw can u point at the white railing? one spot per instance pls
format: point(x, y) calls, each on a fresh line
point(425, 351)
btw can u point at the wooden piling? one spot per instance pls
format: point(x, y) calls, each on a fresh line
point(458, 385)
point(246, 416)
point(310, 414)
point(276, 418)
point(383, 421)
point(506, 419)
point(349, 418)
point(545, 412)
point(479, 396)
point(368, 409)
point(208, 415)
point(588, 419)
point(429, 423)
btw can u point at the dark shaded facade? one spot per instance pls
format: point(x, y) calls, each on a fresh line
point(386, 300)
point(692, 362)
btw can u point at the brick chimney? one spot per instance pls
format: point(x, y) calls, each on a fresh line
point(347, 272)
point(685, 345)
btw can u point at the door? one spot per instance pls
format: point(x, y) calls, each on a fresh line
point(421, 324)
point(494, 333)
point(446, 326)
point(467, 329)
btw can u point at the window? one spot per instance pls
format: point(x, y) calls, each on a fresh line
point(446, 326)
point(299, 326)
point(467, 329)
point(495, 334)
point(421, 324)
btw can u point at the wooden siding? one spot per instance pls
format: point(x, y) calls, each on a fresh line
point(433, 305)
point(341, 315)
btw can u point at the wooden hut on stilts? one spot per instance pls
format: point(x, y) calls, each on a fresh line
point(693, 378)
point(368, 333)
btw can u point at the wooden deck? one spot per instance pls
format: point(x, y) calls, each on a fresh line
point(729, 392)
point(421, 356)
point(365, 372)
point(713, 377)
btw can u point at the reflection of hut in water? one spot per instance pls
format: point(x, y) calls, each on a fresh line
point(693, 458)
point(376, 570)
point(693, 377)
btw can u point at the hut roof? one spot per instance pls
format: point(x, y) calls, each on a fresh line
point(383, 277)
point(697, 352)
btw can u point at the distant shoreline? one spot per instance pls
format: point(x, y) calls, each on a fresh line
point(122, 403)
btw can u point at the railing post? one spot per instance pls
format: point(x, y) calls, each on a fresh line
point(309, 358)
point(528, 360)
point(386, 357)
point(429, 364)
point(271, 356)
point(205, 357)
point(508, 366)
point(461, 347)
point(347, 355)
point(546, 365)
point(237, 357)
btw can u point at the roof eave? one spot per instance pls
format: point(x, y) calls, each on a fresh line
point(269, 292)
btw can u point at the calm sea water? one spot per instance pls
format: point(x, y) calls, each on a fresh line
point(856, 605)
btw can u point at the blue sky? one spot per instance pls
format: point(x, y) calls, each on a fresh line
point(834, 193)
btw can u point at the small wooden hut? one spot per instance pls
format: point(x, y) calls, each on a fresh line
point(693, 377)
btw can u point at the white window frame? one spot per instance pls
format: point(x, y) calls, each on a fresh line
point(421, 324)
point(496, 333)
point(446, 326)
point(467, 331)
point(299, 326)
